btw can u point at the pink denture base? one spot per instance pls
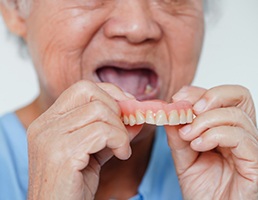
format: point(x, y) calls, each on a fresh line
point(131, 106)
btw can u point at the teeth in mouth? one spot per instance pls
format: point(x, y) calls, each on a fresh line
point(148, 89)
point(159, 118)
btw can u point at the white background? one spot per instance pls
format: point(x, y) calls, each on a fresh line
point(230, 55)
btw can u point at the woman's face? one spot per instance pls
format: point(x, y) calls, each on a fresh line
point(149, 48)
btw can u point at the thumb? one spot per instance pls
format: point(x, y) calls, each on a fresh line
point(106, 154)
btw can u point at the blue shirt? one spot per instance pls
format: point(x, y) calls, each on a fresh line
point(159, 182)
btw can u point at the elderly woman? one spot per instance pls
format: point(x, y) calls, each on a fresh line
point(98, 61)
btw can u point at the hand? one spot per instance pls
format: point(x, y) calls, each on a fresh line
point(216, 156)
point(70, 142)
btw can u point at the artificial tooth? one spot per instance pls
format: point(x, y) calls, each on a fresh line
point(189, 116)
point(173, 118)
point(132, 120)
point(148, 89)
point(161, 118)
point(126, 120)
point(150, 117)
point(182, 117)
point(140, 119)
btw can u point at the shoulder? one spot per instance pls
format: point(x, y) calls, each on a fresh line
point(13, 158)
point(11, 130)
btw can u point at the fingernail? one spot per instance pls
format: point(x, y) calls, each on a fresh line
point(197, 141)
point(186, 129)
point(200, 105)
point(129, 95)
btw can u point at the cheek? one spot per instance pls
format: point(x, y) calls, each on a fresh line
point(57, 40)
point(184, 42)
point(57, 66)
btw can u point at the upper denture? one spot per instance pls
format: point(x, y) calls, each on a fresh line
point(156, 112)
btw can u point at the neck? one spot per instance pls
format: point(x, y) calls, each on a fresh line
point(31, 112)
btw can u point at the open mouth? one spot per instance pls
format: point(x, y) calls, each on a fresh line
point(141, 82)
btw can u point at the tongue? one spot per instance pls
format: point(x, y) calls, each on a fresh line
point(133, 81)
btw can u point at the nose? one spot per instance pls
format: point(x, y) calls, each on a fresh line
point(133, 21)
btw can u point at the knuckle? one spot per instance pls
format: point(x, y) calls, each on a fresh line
point(104, 111)
point(73, 93)
point(103, 130)
point(121, 137)
point(101, 110)
point(243, 89)
point(34, 129)
point(84, 85)
point(124, 140)
point(244, 92)
point(236, 113)
point(210, 95)
point(238, 93)
point(113, 135)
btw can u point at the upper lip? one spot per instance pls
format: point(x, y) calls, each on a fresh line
point(127, 65)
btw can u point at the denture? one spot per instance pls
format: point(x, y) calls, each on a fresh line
point(156, 112)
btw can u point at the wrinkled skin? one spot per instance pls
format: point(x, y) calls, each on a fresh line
point(216, 156)
point(71, 158)
point(75, 131)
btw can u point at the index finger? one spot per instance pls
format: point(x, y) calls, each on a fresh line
point(84, 92)
point(189, 93)
point(226, 96)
